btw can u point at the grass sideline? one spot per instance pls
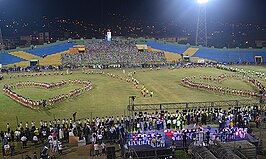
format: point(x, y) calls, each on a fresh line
point(109, 97)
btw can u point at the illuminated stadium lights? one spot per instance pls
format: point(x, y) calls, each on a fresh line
point(202, 1)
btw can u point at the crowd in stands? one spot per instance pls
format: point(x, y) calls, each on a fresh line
point(112, 52)
point(9, 91)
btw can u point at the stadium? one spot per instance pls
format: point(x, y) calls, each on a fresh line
point(124, 97)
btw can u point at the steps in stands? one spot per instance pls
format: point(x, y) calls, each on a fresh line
point(24, 55)
point(190, 51)
point(19, 64)
point(50, 50)
point(168, 47)
point(6, 58)
point(170, 56)
point(54, 59)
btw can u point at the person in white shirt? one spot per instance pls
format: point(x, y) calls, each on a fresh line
point(8, 127)
point(61, 134)
point(27, 125)
point(54, 146)
point(63, 122)
point(79, 122)
point(35, 139)
point(168, 123)
point(96, 149)
point(178, 124)
point(60, 148)
point(41, 123)
point(201, 133)
point(6, 148)
point(93, 137)
point(24, 141)
point(17, 134)
point(103, 148)
point(100, 137)
point(20, 125)
point(174, 123)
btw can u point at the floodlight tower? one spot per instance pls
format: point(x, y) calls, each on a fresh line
point(201, 34)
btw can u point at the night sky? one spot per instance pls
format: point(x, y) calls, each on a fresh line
point(231, 11)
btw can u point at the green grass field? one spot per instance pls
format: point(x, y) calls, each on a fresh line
point(110, 96)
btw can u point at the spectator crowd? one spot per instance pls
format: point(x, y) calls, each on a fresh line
point(139, 129)
point(112, 52)
point(233, 123)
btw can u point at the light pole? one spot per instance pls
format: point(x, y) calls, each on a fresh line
point(201, 34)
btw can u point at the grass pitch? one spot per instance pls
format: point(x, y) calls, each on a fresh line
point(109, 97)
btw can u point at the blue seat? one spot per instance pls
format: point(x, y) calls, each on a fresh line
point(234, 56)
point(51, 49)
point(178, 49)
point(6, 59)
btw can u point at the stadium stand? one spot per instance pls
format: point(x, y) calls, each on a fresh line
point(19, 64)
point(24, 55)
point(51, 49)
point(230, 55)
point(213, 54)
point(190, 51)
point(179, 49)
point(172, 56)
point(125, 51)
point(6, 58)
point(54, 59)
point(114, 52)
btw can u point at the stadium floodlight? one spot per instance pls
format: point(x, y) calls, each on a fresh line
point(202, 1)
point(201, 34)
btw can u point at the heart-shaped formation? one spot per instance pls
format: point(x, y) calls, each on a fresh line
point(187, 81)
point(9, 91)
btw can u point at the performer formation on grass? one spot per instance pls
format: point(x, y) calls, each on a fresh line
point(143, 90)
point(191, 82)
point(9, 90)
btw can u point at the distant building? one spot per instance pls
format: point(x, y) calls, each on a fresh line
point(260, 43)
point(41, 38)
point(175, 39)
point(46, 37)
point(27, 40)
point(11, 43)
